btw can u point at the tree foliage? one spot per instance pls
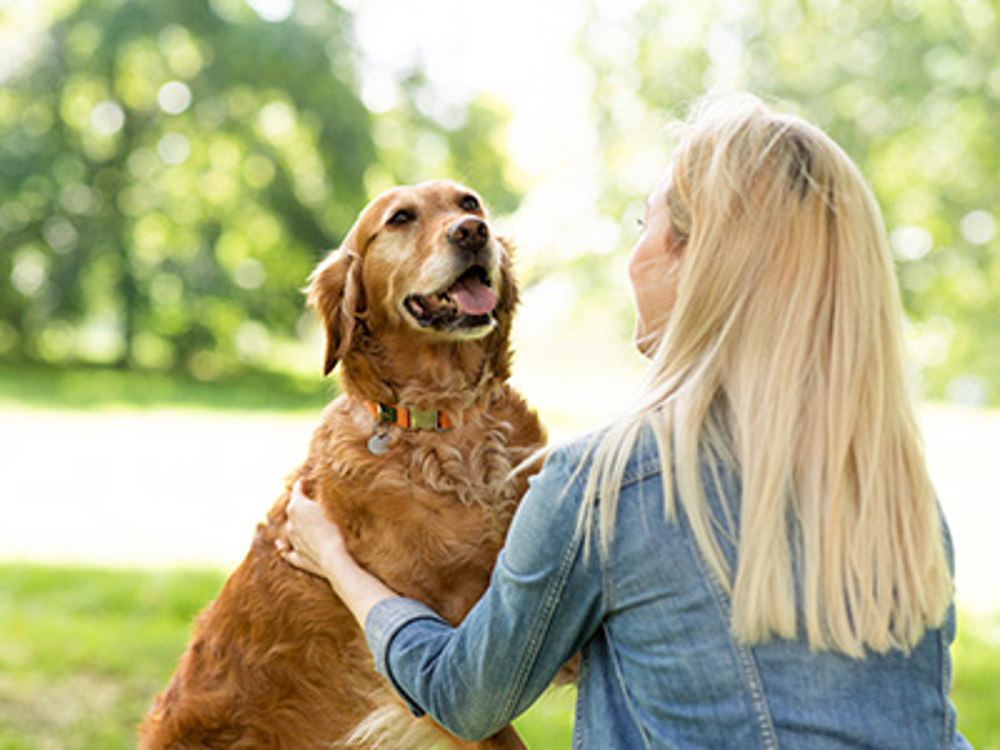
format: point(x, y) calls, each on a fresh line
point(910, 88)
point(172, 171)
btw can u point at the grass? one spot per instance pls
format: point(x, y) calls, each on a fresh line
point(83, 650)
point(81, 387)
point(976, 692)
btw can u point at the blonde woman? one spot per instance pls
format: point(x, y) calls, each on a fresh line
point(753, 556)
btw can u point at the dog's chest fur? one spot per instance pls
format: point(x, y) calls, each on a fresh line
point(430, 510)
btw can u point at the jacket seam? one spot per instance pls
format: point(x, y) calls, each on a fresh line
point(744, 657)
point(607, 563)
point(582, 694)
point(626, 694)
point(539, 631)
point(645, 470)
point(948, 733)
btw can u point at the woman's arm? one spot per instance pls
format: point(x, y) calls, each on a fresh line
point(318, 547)
point(545, 600)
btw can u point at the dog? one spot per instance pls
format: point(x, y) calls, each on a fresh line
point(415, 461)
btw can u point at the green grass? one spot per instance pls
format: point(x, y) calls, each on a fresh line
point(81, 387)
point(977, 680)
point(83, 650)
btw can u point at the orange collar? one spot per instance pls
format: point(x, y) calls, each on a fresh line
point(409, 418)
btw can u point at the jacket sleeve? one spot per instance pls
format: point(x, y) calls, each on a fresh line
point(543, 603)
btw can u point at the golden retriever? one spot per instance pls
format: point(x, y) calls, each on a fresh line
point(417, 305)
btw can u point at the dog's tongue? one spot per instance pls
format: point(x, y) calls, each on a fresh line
point(473, 296)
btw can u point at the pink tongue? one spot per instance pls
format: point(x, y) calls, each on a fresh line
point(473, 296)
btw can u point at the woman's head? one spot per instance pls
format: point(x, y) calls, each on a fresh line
point(654, 269)
point(780, 350)
point(769, 223)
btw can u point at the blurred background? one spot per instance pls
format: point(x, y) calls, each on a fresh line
point(170, 172)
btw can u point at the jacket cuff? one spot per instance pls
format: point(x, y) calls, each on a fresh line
point(383, 622)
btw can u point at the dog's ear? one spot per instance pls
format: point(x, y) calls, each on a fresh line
point(509, 294)
point(336, 293)
point(498, 342)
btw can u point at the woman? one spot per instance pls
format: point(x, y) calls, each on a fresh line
point(753, 556)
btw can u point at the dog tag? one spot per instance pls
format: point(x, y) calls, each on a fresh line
point(378, 444)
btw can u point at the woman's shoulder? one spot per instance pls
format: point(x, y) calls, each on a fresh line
point(574, 457)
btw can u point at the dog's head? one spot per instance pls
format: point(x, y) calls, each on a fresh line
point(421, 266)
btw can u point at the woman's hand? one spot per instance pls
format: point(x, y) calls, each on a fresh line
point(314, 543)
point(311, 542)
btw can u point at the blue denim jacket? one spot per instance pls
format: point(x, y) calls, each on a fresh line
point(659, 666)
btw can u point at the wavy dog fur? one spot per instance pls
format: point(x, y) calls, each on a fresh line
point(276, 660)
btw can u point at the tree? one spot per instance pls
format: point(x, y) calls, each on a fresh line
point(172, 172)
point(912, 92)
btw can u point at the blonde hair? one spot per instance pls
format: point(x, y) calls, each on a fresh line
point(782, 360)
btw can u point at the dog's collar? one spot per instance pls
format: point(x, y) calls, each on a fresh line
point(409, 418)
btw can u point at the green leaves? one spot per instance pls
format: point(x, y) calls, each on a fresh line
point(173, 171)
point(912, 92)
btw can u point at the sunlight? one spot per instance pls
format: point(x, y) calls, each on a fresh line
point(22, 29)
point(273, 11)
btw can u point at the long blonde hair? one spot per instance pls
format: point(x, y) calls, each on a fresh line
point(783, 359)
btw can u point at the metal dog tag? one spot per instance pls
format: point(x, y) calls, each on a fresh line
point(378, 444)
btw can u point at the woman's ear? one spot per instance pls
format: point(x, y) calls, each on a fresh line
point(335, 291)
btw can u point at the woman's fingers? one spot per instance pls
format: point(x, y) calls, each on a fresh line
point(293, 558)
point(291, 546)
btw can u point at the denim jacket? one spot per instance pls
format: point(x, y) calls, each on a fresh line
point(659, 666)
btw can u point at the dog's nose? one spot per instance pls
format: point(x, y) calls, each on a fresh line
point(469, 234)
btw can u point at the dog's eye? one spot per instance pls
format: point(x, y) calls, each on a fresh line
point(402, 216)
point(469, 203)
